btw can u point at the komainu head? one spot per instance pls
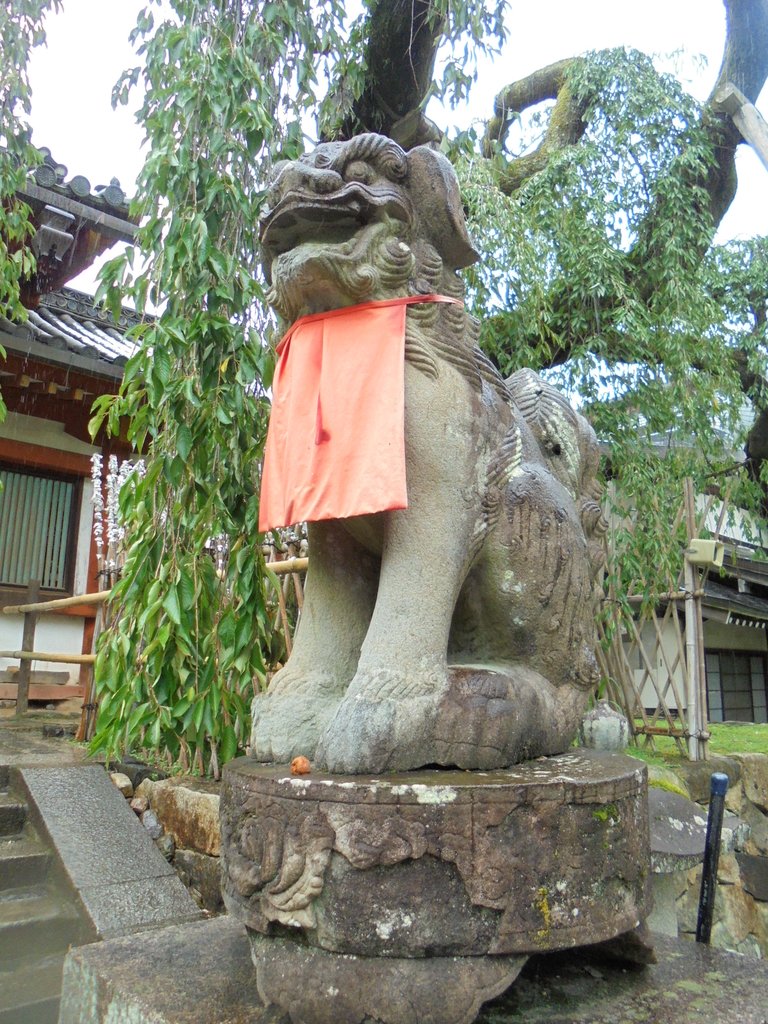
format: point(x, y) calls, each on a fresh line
point(361, 220)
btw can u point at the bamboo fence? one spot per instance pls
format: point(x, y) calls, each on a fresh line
point(652, 658)
point(290, 598)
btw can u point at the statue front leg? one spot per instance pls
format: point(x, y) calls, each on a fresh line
point(386, 720)
point(338, 601)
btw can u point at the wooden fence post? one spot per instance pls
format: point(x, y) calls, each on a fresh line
point(27, 644)
point(696, 691)
point(89, 706)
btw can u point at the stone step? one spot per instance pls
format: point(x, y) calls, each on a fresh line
point(35, 922)
point(30, 994)
point(13, 814)
point(43, 1011)
point(23, 861)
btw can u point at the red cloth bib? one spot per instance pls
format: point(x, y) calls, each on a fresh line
point(335, 444)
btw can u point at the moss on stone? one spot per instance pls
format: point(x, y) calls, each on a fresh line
point(608, 813)
point(541, 902)
point(670, 787)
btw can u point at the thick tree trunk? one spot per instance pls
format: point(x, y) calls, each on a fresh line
point(745, 65)
point(403, 37)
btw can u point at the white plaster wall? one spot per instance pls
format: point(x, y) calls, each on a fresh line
point(734, 638)
point(668, 650)
point(85, 525)
point(54, 633)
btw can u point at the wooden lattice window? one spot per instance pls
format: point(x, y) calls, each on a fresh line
point(38, 520)
point(736, 686)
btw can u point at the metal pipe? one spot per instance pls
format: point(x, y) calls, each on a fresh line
point(718, 789)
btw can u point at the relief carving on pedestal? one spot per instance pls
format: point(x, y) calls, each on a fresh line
point(278, 870)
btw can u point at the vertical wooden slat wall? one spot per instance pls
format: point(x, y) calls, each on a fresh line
point(35, 519)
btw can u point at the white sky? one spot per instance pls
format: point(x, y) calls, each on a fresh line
point(88, 47)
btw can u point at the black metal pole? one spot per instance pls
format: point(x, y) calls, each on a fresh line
point(718, 788)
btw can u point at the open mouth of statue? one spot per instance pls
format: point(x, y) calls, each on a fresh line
point(298, 218)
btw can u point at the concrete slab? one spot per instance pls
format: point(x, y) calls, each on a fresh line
point(92, 826)
point(183, 974)
point(131, 906)
point(25, 746)
point(122, 879)
point(202, 972)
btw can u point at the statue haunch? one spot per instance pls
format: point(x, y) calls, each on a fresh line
point(459, 631)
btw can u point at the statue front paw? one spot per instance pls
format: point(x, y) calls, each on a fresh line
point(384, 723)
point(288, 720)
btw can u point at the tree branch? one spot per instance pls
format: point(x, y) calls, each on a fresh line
point(542, 85)
point(403, 37)
point(566, 122)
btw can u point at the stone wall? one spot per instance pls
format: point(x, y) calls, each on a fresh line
point(182, 816)
point(188, 810)
point(740, 921)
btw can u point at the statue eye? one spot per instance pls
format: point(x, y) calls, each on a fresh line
point(357, 170)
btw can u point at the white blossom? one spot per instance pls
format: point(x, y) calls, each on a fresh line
point(107, 517)
point(97, 500)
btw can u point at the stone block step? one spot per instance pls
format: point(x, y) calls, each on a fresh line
point(34, 922)
point(122, 880)
point(43, 1011)
point(30, 994)
point(23, 861)
point(13, 814)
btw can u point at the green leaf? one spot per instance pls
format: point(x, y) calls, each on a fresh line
point(184, 441)
point(186, 589)
point(161, 365)
point(228, 747)
point(171, 605)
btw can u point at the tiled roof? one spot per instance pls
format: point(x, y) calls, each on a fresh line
point(743, 609)
point(68, 320)
point(51, 175)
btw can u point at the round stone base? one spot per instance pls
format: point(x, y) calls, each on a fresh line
point(545, 855)
point(309, 984)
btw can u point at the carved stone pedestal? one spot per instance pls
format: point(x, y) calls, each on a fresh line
point(312, 986)
point(389, 886)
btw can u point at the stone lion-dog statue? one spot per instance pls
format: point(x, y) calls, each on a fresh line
point(460, 630)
